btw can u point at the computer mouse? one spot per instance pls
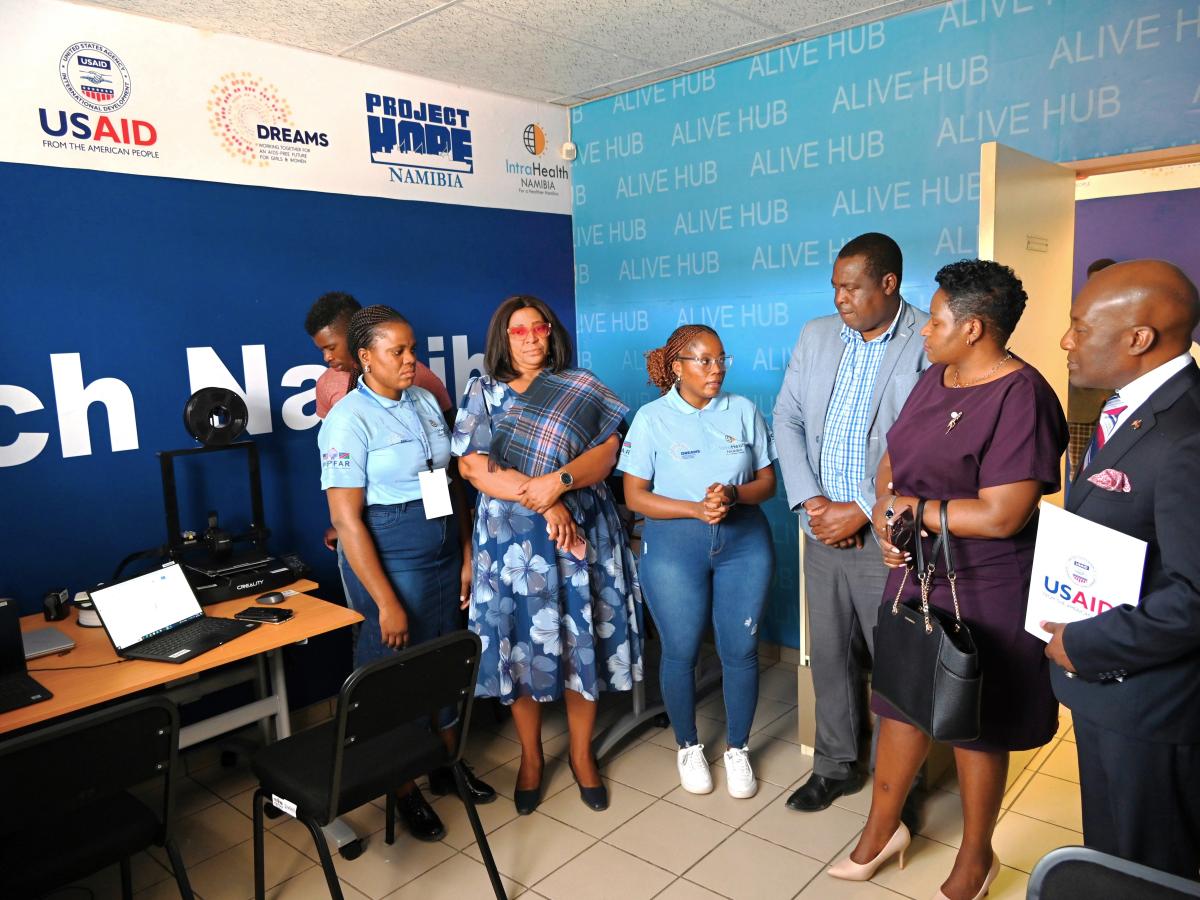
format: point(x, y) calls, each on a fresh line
point(270, 599)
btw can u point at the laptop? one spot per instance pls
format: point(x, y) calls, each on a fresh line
point(157, 616)
point(45, 641)
point(17, 689)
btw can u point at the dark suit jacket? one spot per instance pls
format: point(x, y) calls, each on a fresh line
point(1139, 667)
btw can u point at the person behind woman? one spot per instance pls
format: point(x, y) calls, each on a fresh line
point(697, 464)
point(404, 573)
point(982, 433)
point(555, 596)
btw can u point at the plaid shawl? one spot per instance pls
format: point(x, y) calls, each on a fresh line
point(560, 416)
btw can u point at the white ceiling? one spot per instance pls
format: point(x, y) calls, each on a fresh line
point(563, 51)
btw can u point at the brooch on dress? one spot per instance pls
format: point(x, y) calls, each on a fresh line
point(955, 416)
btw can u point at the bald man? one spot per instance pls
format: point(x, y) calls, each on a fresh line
point(1131, 675)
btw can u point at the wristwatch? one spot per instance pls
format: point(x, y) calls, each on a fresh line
point(565, 478)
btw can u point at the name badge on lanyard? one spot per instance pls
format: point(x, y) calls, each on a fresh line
point(435, 492)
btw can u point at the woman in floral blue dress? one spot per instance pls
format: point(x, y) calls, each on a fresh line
point(555, 597)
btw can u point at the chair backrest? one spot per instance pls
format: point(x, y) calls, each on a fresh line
point(1081, 873)
point(410, 686)
point(49, 773)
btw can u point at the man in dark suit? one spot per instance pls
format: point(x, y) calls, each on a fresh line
point(1131, 675)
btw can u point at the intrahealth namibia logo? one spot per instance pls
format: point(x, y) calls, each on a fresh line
point(421, 142)
point(254, 123)
point(98, 80)
point(533, 177)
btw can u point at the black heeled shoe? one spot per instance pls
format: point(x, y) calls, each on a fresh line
point(594, 798)
point(526, 801)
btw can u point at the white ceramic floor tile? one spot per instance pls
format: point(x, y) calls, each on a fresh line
point(244, 803)
point(226, 782)
point(230, 875)
point(147, 875)
point(624, 803)
point(820, 835)
point(822, 887)
point(556, 776)
point(458, 878)
point(1051, 800)
point(1063, 762)
point(785, 728)
point(529, 848)
point(926, 866)
point(1015, 791)
point(776, 761)
point(682, 889)
point(203, 835)
point(942, 817)
point(381, 869)
point(309, 885)
point(646, 767)
point(859, 802)
point(453, 814)
point(748, 867)
point(602, 871)
point(765, 713)
point(778, 683)
point(1020, 841)
point(669, 836)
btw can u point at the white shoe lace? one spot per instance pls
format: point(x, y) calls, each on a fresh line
point(737, 763)
point(693, 758)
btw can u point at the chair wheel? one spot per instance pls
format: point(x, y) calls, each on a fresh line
point(662, 720)
point(272, 812)
point(352, 850)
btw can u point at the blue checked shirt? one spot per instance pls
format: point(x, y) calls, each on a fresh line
point(847, 422)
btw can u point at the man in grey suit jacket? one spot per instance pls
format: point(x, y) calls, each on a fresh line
point(848, 377)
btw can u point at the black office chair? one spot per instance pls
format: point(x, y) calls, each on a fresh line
point(379, 739)
point(67, 808)
point(1080, 873)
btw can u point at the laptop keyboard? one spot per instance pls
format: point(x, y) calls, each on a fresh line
point(193, 633)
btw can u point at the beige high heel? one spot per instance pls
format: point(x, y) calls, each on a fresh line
point(849, 870)
point(987, 882)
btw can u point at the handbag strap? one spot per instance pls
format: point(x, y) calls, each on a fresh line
point(951, 574)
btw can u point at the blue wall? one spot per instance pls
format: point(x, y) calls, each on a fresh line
point(723, 196)
point(130, 271)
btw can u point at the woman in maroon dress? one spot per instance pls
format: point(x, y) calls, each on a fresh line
point(983, 433)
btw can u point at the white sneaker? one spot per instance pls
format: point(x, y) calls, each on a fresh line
point(739, 777)
point(693, 770)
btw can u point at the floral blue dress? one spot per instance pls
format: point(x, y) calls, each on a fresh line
point(548, 621)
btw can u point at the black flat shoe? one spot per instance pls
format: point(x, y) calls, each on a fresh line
point(594, 798)
point(441, 782)
point(819, 792)
point(418, 817)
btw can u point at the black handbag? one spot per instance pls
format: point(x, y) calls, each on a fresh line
point(926, 664)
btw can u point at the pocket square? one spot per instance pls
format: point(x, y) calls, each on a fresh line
point(1111, 480)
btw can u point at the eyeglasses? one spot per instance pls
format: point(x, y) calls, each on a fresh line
point(707, 362)
point(540, 329)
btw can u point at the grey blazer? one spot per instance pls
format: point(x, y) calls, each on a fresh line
point(808, 385)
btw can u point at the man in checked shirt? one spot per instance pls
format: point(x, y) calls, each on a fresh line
point(848, 377)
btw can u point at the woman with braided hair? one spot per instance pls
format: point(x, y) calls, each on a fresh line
point(405, 573)
point(697, 463)
point(555, 597)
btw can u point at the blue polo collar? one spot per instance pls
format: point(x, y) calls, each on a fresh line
point(385, 402)
point(719, 402)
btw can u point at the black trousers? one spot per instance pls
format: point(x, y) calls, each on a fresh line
point(1141, 799)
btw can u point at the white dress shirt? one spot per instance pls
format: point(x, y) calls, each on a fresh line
point(1139, 390)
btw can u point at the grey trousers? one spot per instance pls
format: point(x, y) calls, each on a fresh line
point(844, 590)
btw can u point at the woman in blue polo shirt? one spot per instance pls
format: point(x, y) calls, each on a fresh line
point(404, 570)
point(697, 464)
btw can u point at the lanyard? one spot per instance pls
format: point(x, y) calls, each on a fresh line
point(418, 433)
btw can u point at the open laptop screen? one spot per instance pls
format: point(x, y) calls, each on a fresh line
point(147, 605)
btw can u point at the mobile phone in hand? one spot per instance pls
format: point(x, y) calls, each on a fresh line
point(902, 530)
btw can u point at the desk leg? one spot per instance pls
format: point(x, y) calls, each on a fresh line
point(283, 719)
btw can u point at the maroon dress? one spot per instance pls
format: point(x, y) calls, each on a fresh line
point(1011, 429)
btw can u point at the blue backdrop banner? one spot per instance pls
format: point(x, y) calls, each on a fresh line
point(724, 195)
point(124, 294)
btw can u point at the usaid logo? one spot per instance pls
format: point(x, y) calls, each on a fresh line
point(424, 143)
point(1081, 571)
point(94, 76)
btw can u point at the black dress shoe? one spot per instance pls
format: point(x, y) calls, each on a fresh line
point(441, 782)
point(527, 801)
point(819, 792)
point(418, 817)
point(594, 798)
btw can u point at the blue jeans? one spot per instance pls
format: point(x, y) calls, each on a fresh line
point(691, 574)
point(423, 560)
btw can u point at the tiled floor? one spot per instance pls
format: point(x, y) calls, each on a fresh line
point(653, 841)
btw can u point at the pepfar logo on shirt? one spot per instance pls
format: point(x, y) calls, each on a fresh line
point(335, 459)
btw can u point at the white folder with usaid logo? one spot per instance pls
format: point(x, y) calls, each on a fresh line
point(1080, 569)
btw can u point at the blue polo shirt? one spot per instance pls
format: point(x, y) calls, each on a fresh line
point(368, 441)
point(681, 450)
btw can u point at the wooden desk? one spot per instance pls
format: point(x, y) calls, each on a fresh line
point(76, 688)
